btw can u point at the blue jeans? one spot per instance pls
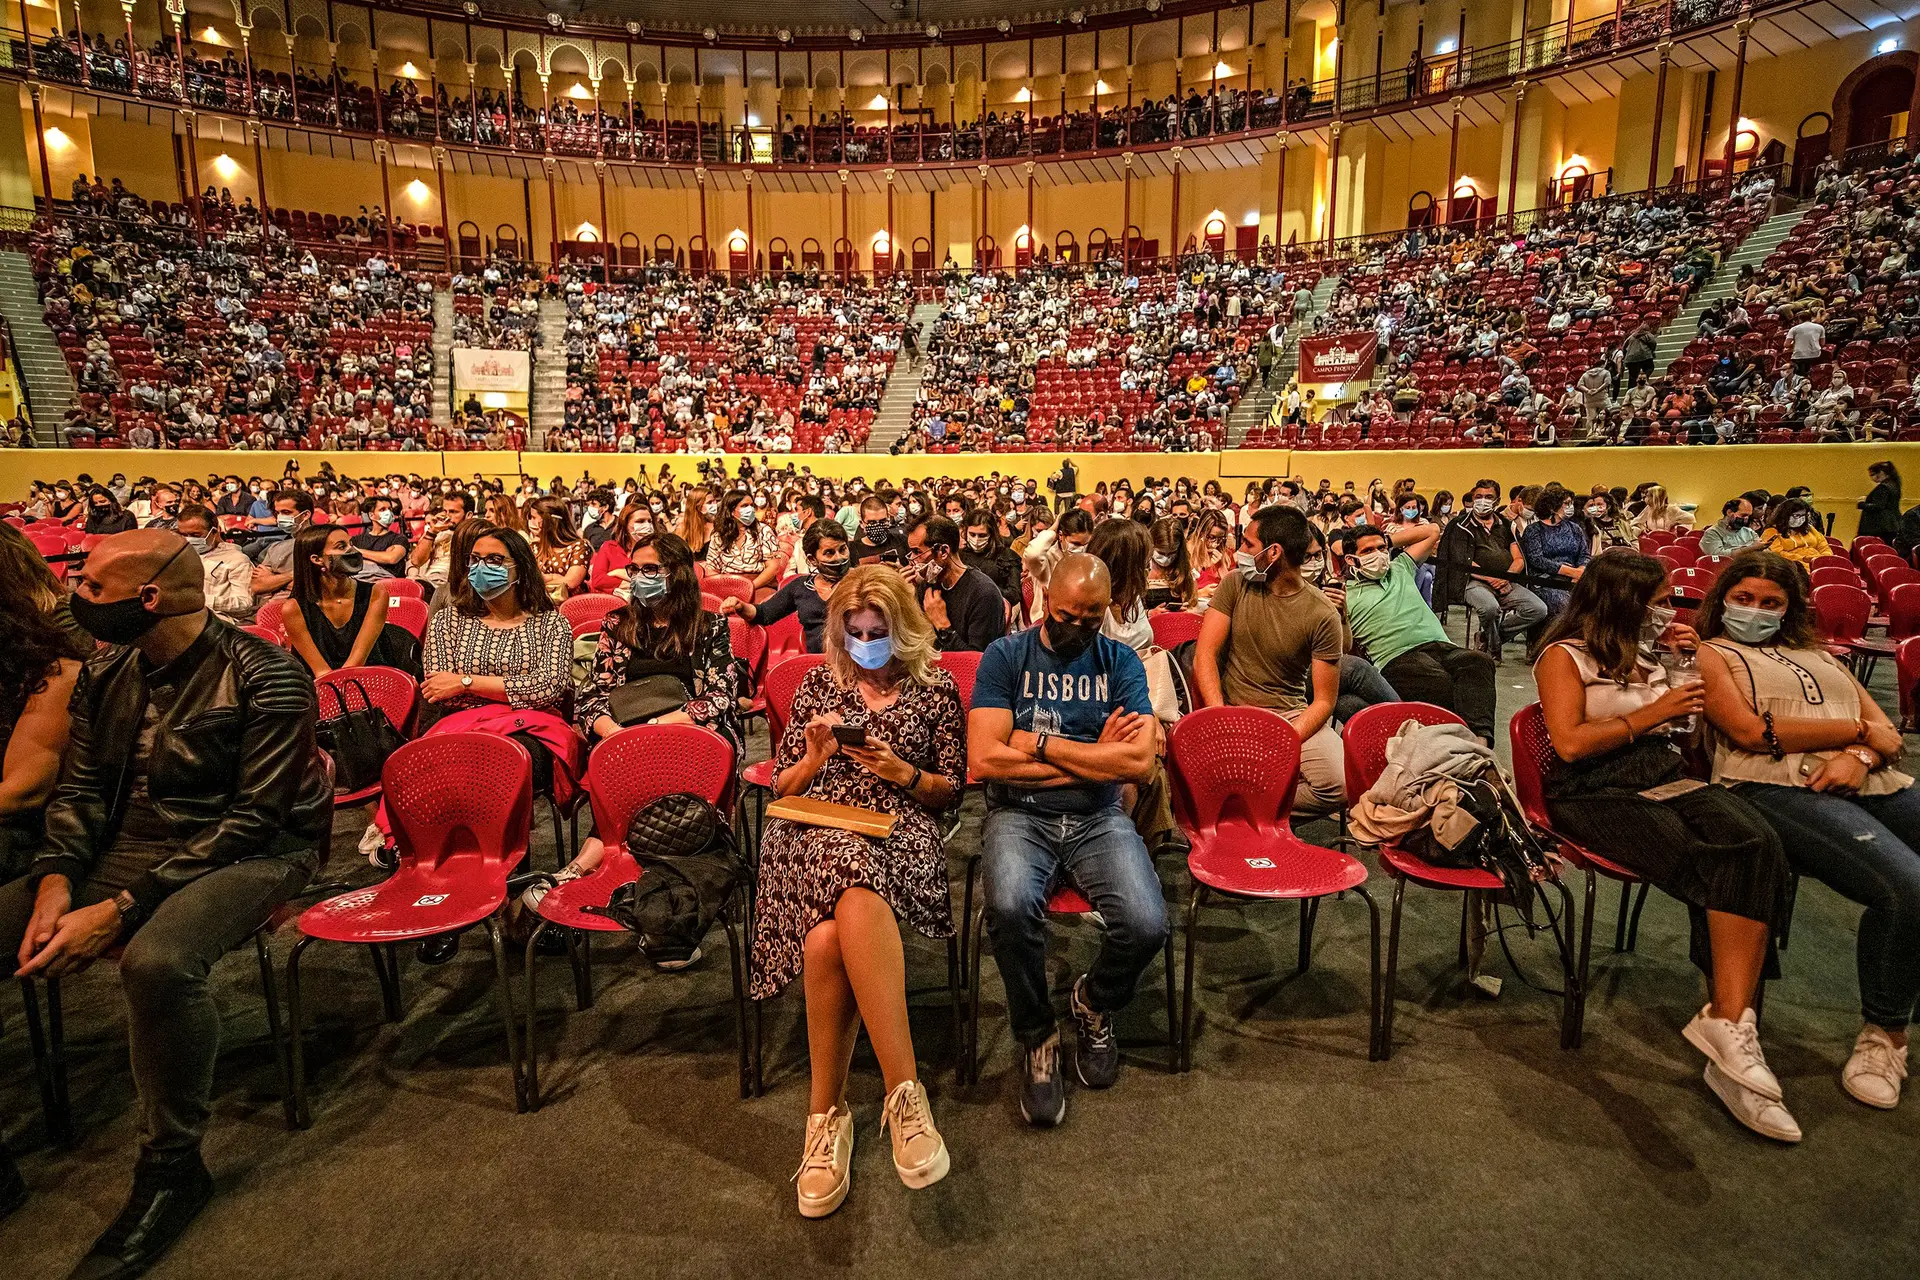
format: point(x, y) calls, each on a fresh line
point(1863, 848)
point(1104, 857)
point(1361, 686)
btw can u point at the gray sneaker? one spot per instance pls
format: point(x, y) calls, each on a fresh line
point(1097, 1059)
point(1043, 1093)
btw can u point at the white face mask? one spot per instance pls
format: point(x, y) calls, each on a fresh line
point(1483, 506)
point(1373, 564)
point(978, 541)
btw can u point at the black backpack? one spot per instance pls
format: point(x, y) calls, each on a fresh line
point(689, 870)
point(1502, 842)
point(359, 738)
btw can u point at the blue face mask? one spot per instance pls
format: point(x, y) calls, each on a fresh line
point(1749, 625)
point(489, 580)
point(646, 590)
point(870, 655)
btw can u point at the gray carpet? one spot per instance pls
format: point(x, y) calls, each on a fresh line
point(1481, 1149)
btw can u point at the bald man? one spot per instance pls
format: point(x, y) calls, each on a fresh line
point(191, 803)
point(1062, 720)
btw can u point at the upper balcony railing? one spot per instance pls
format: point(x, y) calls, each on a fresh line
point(498, 120)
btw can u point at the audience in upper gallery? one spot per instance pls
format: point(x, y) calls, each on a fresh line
point(830, 902)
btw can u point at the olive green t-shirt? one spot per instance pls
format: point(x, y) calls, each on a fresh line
point(1273, 642)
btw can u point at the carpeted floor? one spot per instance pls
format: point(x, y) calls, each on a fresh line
point(1480, 1149)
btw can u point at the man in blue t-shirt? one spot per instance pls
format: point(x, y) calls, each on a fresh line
point(1061, 722)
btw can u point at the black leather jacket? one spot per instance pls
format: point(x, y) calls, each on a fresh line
point(233, 767)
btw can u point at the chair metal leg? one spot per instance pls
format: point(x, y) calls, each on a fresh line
point(386, 966)
point(270, 991)
point(1466, 923)
point(1573, 991)
point(1585, 962)
point(954, 1000)
point(48, 1064)
point(1387, 994)
point(739, 1009)
point(1633, 925)
point(966, 912)
point(1375, 1050)
point(976, 927)
point(1174, 1040)
point(60, 1127)
point(1309, 916)
point(497, 938)
point(580, 959)
point(302, 1118)
point(1620, 920)
point(1194, 901)
point(1793, 897)
point(532, 1038)
point(560, 855)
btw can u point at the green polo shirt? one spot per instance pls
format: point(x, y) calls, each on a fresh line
point(1388, 616)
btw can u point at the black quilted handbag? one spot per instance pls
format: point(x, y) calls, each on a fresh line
point(358, 737)
point(689, 869)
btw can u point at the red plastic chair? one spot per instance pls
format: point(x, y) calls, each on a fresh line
point(782, 683)
point(1683, 554)
point(1365, 739)
point(1247, 760)
point(1906, 661)
point(1533, 759)
point(412, 614)
point(272, 637)
point(625, 773)
point(586, 613)
point(268, 616)
point(1840, 613)
point(1175, 627)
point(458, 842)
point(722, 585)
point(1832, 562)
point(412, 588)
point(785, 639)
point(390, 689)
point(1831, 576)
point(965, 669)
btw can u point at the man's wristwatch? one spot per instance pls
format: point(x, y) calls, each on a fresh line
point(1040, 748)
point(129, 909)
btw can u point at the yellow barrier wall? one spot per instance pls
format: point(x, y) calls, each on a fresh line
point(1705, 476)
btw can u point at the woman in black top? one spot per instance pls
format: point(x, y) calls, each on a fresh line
point(105, 514)
point(982, 548)
point(825, 546)
point(1880, 509)
point(340, 623)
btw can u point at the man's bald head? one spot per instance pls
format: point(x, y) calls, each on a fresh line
point(125, 564)
point(1080, 586)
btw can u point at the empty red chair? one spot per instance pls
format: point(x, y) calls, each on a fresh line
point(1175, 627)
point(585, 613)
point(1906, 661)
point(1365, 739)
point(411, 614)
point(724, 585)
point(1683, 555)
point(1841, 613)
point(1830, 576)
point(785, 639)
point(627, 772)
point(458, 842)
point(1233, 771)
point(782, 683)
point(1533, 759)
point(412, 587)
point(1902, 605)
point(1832, 562)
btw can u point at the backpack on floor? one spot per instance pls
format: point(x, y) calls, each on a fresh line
point(689, 871)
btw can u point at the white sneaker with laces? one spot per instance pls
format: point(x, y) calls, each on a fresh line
point(826, 1167)
point(1764, 1116)
point(919, 1152)
point(1874, 1072)
point(1734, 1047)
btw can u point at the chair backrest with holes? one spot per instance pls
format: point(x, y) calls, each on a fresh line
point(410, 587)
point(268, 616)
point(638, 765)
point(1841, 612)
point(749, 645)
point(785, 639)
point(1364, 738)
point(723, 585)
point(1175, 627)
point(1906, 661)
point(388, 688)
point(265, 633)
point(403, 611)
point(1830, 576)
point(586, 613)
point(783, 682)
point(438, 812)
point(1533, 759)
point(965, 669)
point(1219, 755)
point(1903, 611)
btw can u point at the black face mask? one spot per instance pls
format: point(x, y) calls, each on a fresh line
point(1069, 639)
point(348, 563)
point(119, 621)
point(831, 570)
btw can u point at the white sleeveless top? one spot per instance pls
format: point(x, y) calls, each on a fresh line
point(1799, 684)
point(1607, 697)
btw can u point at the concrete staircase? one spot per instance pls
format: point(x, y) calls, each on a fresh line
point(1752, 251)
point(44, 370)
point(443, 356)
point(903, 385)
point(549, 405)
point(1257, 401)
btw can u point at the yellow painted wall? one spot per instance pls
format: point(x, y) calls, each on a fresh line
point(1702, 476)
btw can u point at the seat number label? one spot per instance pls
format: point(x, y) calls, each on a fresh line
point(431, 900)
point(1264, 864)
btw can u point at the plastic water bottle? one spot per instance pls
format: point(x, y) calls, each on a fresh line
point(1682, 670)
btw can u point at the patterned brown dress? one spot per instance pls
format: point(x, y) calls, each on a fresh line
point(805, 869)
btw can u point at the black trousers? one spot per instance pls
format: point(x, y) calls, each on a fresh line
point(1461, 680)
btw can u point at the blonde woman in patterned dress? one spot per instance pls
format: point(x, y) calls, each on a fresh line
point(830, 902)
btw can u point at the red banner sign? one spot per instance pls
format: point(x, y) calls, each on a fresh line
point(1344, 357)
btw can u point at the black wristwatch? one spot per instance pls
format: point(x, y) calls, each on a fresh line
point(129, 908)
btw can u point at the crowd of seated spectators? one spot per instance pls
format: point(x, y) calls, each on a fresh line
point(497, 306)
point(701, 363)
point(1095, 357)
point(230, 342)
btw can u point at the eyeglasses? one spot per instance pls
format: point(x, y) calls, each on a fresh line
point(498, 562)
point(650, 570)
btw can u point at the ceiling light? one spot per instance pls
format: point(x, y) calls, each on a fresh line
point(1077, 16)
point(1887, 46)
point(710, 33)
point(933, 31)
point(471, 9)
point(555, 21)
point(633, 28)
point(1447, 46)
point(786, 36)
point(1153, 6)
point(856, 35)
point(1003, 26)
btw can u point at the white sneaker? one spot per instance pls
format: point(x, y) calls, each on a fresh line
point(919, 1152)
point(1874, 1072)
point(1734, 1047)
point(826, 1167)
point(1764, 1116)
